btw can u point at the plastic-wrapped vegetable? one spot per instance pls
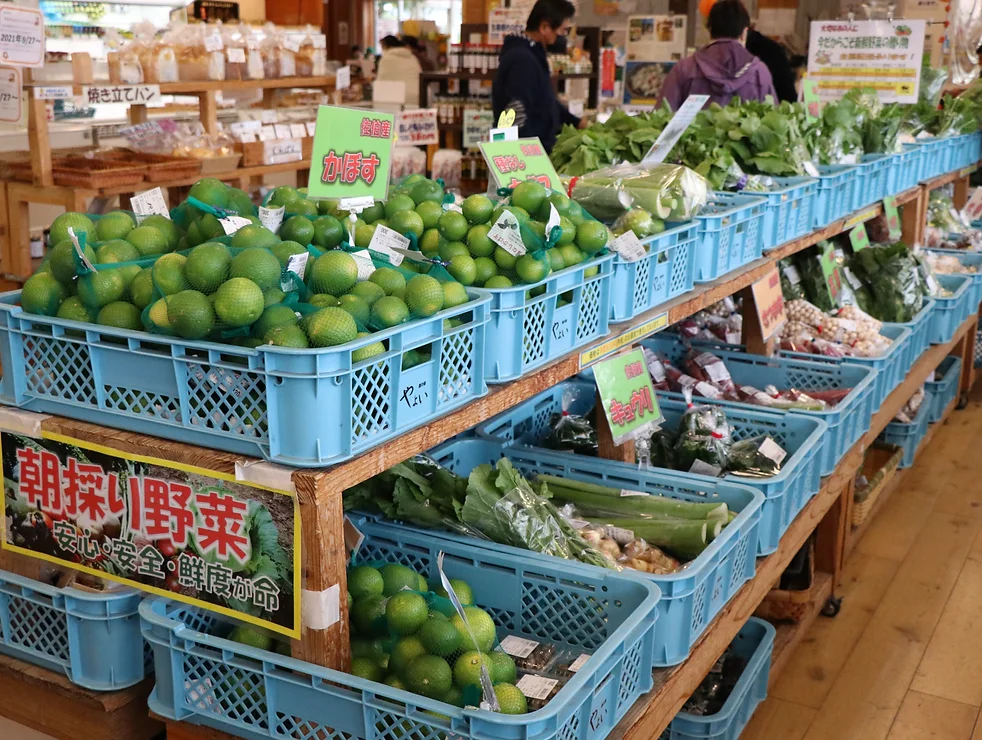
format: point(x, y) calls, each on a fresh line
point(893, 278)
point(813, 281)
point(704, 438)
point(630, 552)
point(790, 280)
point(757, 457)
point(570, 431)
point(666, 191)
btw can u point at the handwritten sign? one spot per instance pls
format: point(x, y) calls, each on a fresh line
point(511, 162)
point(10, 94)
point(417, 127)
point(351, 153)
point(21, 36)
point(132, 94)
point(769, 302)
point(858, 238)
point(476, 124)
point(281, 151)
point(892, 215)
point(505, 22)
point(627, 395)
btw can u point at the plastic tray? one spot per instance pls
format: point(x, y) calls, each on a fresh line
point(755, 644)
point(790, 210)
point(667, 271)
point(847, 421)
point(891, 367)
point(920, 331)
point(786, 493)
point(690, 598)
point(872, 185)
point(299, 407)
point(94, 639)
point(969, 259)
point(950, 313)
point(908, 436)
point(205, 679)
point(731, 231)
point(526, 331)
point(836, 192)
point(943, 391)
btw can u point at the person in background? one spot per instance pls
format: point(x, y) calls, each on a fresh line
point(772, 54)
point(523, 83)
point(425, 63)
point(399, 64)
point(723, 69)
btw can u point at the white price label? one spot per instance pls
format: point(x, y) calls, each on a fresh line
point(298, 131)
point(629, 247)
point(282, 130)
point(506, 234)
point(342, 78)
point(365, 265)
point(792, 274)
point(248, 137)
point(620, 535)
point(675, 128)
point(267, 133)
point(236, 55)
point(311, 127)
point(297, 264)
point(281, 151)
point(655, 367)
point(536, 687)
point(385, 241)
point(319, 41)
point(272, 218)
point(629, 492)
point(578, 663)
point(10, 94)
point(973, 208)
point(21, 36)
point(553, 220)
point(518, 647)
point(149, 203)
point(213, 42)
point(356, 204)
point(231, 224)
point(291, 43)
point(773, 451)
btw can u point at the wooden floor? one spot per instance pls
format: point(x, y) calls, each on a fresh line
point(903, 659)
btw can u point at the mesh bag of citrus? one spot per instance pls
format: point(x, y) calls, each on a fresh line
point(209, 202)
point(438, 644)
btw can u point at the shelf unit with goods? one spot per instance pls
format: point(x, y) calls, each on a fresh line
point(827, 515)
point(40, 185)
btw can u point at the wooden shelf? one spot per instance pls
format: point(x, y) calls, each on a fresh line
point(194, 88)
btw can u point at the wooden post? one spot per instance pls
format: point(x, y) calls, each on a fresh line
point(606, 448)
point(960, 196)
point(753, 337)
point(208, 111)
point(138, 114)
point(38, 140)
point(913, 218)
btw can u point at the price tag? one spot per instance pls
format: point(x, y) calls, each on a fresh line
point(629, 247)
point(267, 133)
point(536, 687)
point(236, 55)
point(675, 128)
point(297, 264)
point(858, 238)
point(511, 162)
point(231, 224)
point(282, 151)
point(792, 274)
point(973, 208)
point(577, 664)
point(366, 267)
point(627, 395)
point(268, 116)
point(282, 130)
point(627, 492)
point(342, 78)
point(773, 451)
point(271, 218)
point(298, 131)
point(10, 94)
point(518, 647)
point(291, 43)
point(213, 42)
point(830, 271)
point(21, 36)
point(476, 125)
point(149, 203)
point(893, 218)
point(417, 127)
point(506, 234)
point(385, 241)
point(311, 127)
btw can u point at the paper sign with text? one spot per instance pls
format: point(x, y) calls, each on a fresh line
point(342, 78)
point(476, 124)
point(892, 215)
point(149, 203)
point(190, 534)
point(858, 238)
point(417, 127)
point(627, 395)
point(511, 162)
point(831, 273)
point(11, 98)
point(675, 128)
point(769, 302)
point(973, 208)
point(132, 94)
point(21, 36)
point(351, 153)
point(281, 151)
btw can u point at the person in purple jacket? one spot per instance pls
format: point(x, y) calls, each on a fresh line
point(723, 69)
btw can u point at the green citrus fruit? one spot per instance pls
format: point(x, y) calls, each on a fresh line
point(424, 295)
point(114, 225)
point(430, 243)
point(572, 255)
point(168, 274)
point(406, 223)
point(461, 588)
point(366, 668)
point(502, 668)
point(448, 250)
point(463, 269)
point(439, 637)
point(166, 227)
point(190, 314)
point(454, 294)
point(478, 242)
point(298, 229)
point(252, 637)
point(591, 236)
point(390, 280)
point(368, 615)
point(430, 212)
point(323, 300)
point(79, 222)
point(477, 208)
point(529, 195)
point(239, 302)
point(148, 241)
point(398, 202)
point(556, 261)
point(373, 213)
point(74, 310)
point(504, 259)
point(403, 653)
point(120, 314)
point(453, 226)
point(426, 191)
point(429, 676)
point(272, 316)
point(258, 265)
point(287, 335)
point(62, 260)
point(330, 327)
point(389, 311)
point(405, 613)
point(480, 625)
point(207, 266)
point(467, 668)
point(115, 251)
point(367, 291)
point(334, 272)
point(328, 232)
point(282, 195)
point(239, 201)
point(568, 231)
point(485, 269)
point(211, 191)
point(359, 309)
point(42, 294)
point(158, 315)
point(364, 234)
point(498, 282)
point(100, 288)
point(510, 699)
point(397, 578)
point(531, 270)
point(253, 236)
point(368, 351)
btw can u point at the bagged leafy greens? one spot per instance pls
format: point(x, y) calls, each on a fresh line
point(757, 457)
point(668, 192)
point(892, 276)
point(571, 432)
point(703, 439)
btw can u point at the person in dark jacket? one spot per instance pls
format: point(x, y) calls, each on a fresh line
point(723, 69)
point(523, 83)
point(772, 54)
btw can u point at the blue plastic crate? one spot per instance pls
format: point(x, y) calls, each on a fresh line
point(789, 211)
point(755, 644)
point(936, 157)
point(690, 598)
point(972, 260)
point(943, 391)
point(891, 367)
point(731, 230)
point(872, 180)
point(786, 493)
point(950, 312)
point(950, 144)
point(902, 172)
point(908, 436)
point(299, 407)
point(667, 271)
point(208, 680)
point(847, 421)
point(94, 639)
point(920, 160)
point(526, 330)
point(920, 332)
point(972, 149)
point(836, 193)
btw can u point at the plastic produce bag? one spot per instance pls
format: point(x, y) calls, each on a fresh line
point(703, 441)
point(790, 280)
point(893, 279)
point(756, 457)
point(623, 546)
point(570, 431)
point(667, 192)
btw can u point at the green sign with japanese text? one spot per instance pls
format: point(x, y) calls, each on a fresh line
point(190, 534)
point(511, 162)
point(627, 395)
point(809, 94)
point(830, 271)
point(858, 238)
point(893, 218)
point(351, 153)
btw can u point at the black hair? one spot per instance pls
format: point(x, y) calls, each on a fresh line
point(390, 42)
point(728, 19)
point(412, 42)
point(553, 12)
